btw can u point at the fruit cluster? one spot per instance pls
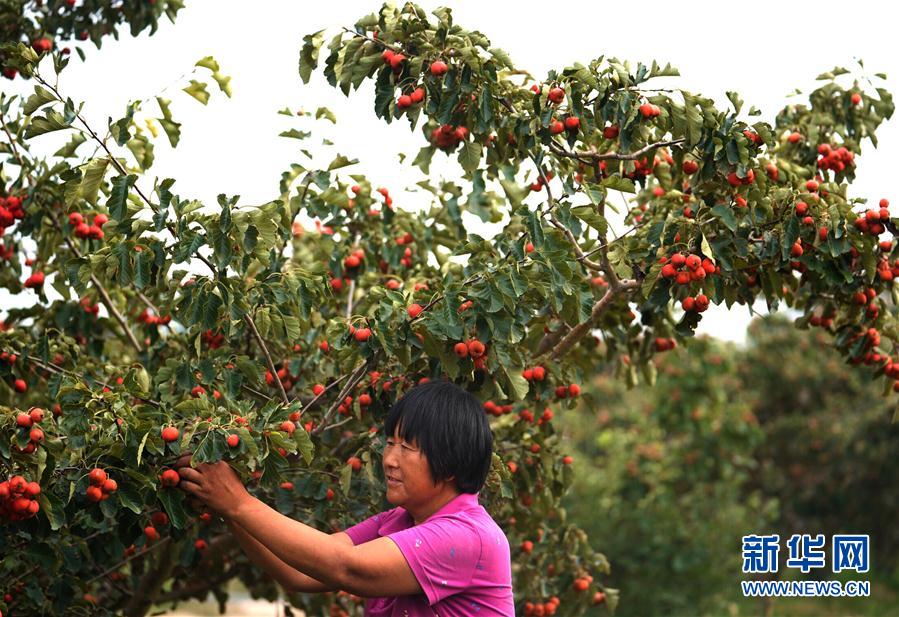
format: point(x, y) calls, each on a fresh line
point(10, 211)
point(539, 609)
point(699, 303)
point(213, 340)
point(26, 423)
point(156, 320)
point(447, 136)
point(835, 160)
point(648, 110)
point(83, 230)
point(101, 485)
point(35, 280)
point(664, 344)
point(406, 101)
point(734, 180)
point(17, 499)
point(872, 221)
point(496, 410)
point(537, 373)
point(687, 268)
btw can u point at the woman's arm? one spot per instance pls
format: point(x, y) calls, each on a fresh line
point(289, 578)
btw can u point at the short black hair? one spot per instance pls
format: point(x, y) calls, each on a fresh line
point(450, 427)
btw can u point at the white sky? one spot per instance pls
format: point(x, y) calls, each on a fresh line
point(763, 51)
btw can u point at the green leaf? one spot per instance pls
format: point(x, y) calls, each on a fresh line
point(224, 83)
point(516, 380)
point(346, 477)
point(94, 173)
point(327, 114)
point(197, 89)
point(470, 156)
point(208, 63)
point(68, 150)
point(589, 215)
point(617, 183)
point(341, 161)
point(53, 508)
point(41, 97)
point(726, 214)
point(309, 54)
point(118, 197)
point(173, 501)
point(172, 129)
point(52, 121)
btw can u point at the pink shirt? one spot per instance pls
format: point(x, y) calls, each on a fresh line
point(459, 555)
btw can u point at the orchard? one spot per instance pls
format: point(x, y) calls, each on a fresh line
point(159, 324)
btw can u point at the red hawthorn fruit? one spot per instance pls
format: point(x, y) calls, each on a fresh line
point(355, 462)
point(362, 334)
point(414, 310)
point(94, 493)
point(151, 533)
point(417, 95)
point(42, 45)
point(572, 123)
point(646, 110)
point(200, 545)
point(556, 127)
point(20, 386)
point(233, 441)
point(690, 167)
point(574, 390)
point(539, 373)
point(438, 68)
point(527, 546)
point(160, 519)
point(396, 61)
point(170, 433)
point(330, 494)
point(567, 460)
point(794, 138)
point(556, 95)
point(476, 348)
point(288, 427)
point(110, 486)
point(24, 420)
point(856, 98)
point(36, 414)
point(170, 477)
point(404, 101)
point(461, 350)
point(610, 132)
point(36, 435)
point(317, 389)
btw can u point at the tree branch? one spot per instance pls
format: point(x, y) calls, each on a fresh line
point(104, 295)
point(355, 377)
point(580, 330)
point(268, 357)
point(616, 156)
point(150, 584)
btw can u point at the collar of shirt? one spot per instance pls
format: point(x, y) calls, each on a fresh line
point(404, 520)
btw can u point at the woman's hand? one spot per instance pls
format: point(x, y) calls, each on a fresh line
point(216, 485)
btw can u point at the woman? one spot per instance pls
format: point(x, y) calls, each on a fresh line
point(437, 552)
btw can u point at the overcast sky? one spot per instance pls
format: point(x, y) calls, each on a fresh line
point(764, 50)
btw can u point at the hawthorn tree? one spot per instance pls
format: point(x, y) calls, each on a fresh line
point(229, 330)
point(44, 24)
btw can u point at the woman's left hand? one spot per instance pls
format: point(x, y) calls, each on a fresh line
point(216, 485)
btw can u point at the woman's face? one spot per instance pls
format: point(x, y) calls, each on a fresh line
point(408, 477)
